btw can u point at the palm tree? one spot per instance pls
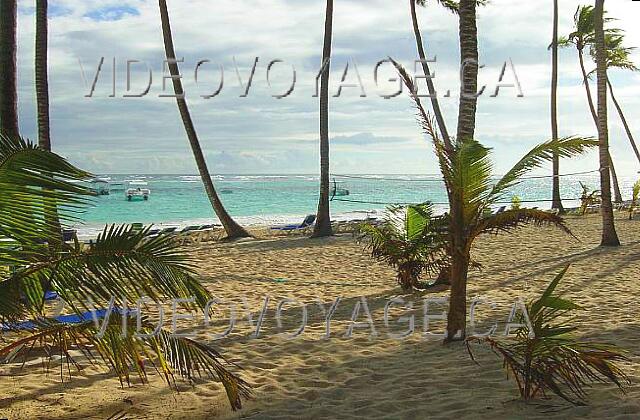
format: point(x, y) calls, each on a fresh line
point(452, 6)
point(618, 56)
point(120, 263)
point(582, 37)
point(556, 200)
point(232, 229)
point(323, 217)
point(467, 173)
point(8, 88)
point(41, 75)
point(609, 235)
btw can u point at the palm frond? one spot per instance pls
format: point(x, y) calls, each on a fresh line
point(565, 148)
point(130, 353)
point(551, 359)
point(511, 219)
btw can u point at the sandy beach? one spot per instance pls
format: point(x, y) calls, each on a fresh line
point(366, 376)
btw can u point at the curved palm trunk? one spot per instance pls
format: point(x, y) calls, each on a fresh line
point(8, 64)
point(232, 229)
point(609, 235)
point(624, 121)
point(323, 217)
point(556, 200)
point(594, 115)
point(435, 104)
point(457, 317)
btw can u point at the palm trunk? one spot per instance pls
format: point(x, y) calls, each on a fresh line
point(435, 104)
point(624, 121)
point(609, 235)
point(594, 115)
point(469, 63)
point(232, 229)
point(41, 75)
point(556, 200)
point(8, 64)
point(42, 101)
point(456, 319)
point(323, 217)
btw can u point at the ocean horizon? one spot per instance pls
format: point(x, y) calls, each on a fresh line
point(267, 199)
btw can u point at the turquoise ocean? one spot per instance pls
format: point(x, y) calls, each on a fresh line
point(180, 200)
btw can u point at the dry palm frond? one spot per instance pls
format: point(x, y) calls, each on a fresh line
point(551, 359)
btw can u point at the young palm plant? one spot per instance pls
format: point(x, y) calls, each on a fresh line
point(634, 199)
point(120, 264)
point(467, 173)
point(543, 356)
point(588, 198)
point(411, 240)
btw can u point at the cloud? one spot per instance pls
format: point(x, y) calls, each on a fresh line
point(262, 134)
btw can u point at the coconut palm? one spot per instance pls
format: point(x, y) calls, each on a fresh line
point(582, 37)
point(609, 235)
point(452, 6)
point(556, 202)
point(120, 263)
point(544, 357)
point(467, 174)
point(618, 56)
point(323, 217)
point(41, 75)
point(412, 240)
point(8, 88)
point(233, 229)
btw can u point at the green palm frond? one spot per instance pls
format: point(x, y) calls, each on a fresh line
point(552, 359)
point(508, 220)
point(34, 183)
point(565, 148)
point(121, 263)
point(451, 5)
point(130, 353)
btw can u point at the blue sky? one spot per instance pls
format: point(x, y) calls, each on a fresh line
point(263, 134)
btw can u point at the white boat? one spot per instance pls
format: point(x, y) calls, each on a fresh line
point(137, 191)
point(100, 186)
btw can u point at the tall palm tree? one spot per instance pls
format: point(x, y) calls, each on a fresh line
point(41, 75)
point(121, 264)
point(582, 37)
point(609, 235)
point(8, 88)
point(232, 229)
point(467, 174)
point(468, 34)
point(556, 200)
point(323, 217)
point(452, 6)
point(618, 56)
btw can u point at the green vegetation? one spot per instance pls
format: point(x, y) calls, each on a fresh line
point(544, 356)
point(120, 264)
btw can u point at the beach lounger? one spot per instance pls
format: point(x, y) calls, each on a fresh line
point(307, 222)
point(66, 319)
point(192, 228)
point(168, 230)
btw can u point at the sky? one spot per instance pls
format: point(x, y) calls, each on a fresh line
point(260, 133)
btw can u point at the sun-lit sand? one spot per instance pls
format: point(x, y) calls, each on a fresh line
point(363, 376)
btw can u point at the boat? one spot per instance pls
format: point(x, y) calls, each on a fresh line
point(338, 189)
point(226, 191)
point(137, 191)
point(100, 186)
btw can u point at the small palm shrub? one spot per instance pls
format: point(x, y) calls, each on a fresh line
point(588, 198)
point(552, 359)
point(634, 199)
point(410, 239)
point(516, 203)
